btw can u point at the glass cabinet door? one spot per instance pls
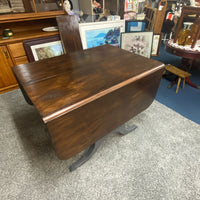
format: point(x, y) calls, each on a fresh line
point(29, 6)
point(48, 5)
point(15, 6)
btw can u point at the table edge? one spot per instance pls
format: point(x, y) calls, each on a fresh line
point(181, 52)
point(74, 106)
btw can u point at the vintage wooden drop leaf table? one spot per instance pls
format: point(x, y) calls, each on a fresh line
point(84, 95)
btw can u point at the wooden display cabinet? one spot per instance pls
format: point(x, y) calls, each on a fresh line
point(31, 9)
point(26, 22)
point(7, 79)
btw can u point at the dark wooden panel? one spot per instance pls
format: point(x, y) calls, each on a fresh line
point(83, 126)
point(59, 84)
point(69, 33)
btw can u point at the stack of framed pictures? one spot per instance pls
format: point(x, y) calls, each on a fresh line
point(142, 43)
point(128, 35)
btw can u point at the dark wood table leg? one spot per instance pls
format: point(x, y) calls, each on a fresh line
point(123, 130)
point(86, 155)
point(126, 128)
point(24, 94)
point(26, 97)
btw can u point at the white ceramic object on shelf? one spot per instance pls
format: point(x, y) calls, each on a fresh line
point(50, 29)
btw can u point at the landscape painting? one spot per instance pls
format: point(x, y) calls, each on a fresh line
point(99, 33)
point(42, 48)
point(47, 50)
point(103, 36)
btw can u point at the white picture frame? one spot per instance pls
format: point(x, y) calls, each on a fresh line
point(49, 50)
point(138, 42)
point(93, 34)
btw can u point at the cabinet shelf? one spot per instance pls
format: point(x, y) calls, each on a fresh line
point(27, 35)
point(29, 16)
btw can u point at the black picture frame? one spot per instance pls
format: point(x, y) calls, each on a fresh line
point(134, 26)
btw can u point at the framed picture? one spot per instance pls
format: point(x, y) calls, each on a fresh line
point(100, 33)
point(134, 26)
point(42, 48)
point(156, 44)
point(137, 42)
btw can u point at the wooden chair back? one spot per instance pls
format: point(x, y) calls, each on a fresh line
point(69, 33)
point(193, 13)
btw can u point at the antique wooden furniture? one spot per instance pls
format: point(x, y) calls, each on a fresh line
point(187, 55)
point(84, 95)
point(69, 33)
point(155, 16)
point(7, 79)
point(33, 10)
point(26, 23)
point(180, 73)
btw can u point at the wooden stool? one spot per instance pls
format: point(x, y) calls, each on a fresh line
point(180, 73)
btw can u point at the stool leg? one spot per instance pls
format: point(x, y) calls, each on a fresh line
point(179, 80)
point(183, 84)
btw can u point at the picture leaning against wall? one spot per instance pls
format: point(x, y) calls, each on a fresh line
point(137, 42)
point(100, 33)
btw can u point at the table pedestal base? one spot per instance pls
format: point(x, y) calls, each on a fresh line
point(86, 155)
point(123, 130)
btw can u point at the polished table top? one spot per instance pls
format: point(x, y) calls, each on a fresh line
point(61, 84)
point(83, 96)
